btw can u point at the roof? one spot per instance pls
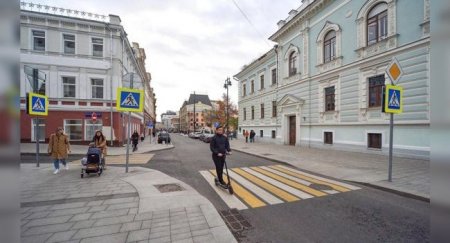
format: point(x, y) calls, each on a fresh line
point(195, 98)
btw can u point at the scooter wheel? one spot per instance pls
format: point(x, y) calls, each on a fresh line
point(230, 190)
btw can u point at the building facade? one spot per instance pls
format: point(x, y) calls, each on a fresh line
point(197, 109)
point(84, 58)
point(166, 119)
point(321, 85)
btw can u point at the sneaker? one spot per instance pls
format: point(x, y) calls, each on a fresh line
point(66, 167)
point(56, 171)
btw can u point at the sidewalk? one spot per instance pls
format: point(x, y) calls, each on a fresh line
point(409, 176)
point(143, 147)
point(115, 207)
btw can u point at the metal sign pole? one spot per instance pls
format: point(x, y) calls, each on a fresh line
point(391, 140)
point(36, 129)
point(129, 130)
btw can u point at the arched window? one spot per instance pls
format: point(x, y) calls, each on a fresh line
point(377, 23)
point(293, 63)
point(329, 46)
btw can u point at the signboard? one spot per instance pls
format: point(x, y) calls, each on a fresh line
point(150, 125)
point(130, 100)
point(393, 102)
point(37, 104)
point(394, 71)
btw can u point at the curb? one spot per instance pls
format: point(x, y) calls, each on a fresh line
point(76, 154)
point(394, 191)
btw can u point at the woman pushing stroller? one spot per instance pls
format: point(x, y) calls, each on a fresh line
point(99, 141)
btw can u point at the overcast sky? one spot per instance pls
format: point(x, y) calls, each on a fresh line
point(192, 45)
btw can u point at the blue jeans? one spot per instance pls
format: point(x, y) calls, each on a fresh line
point(56, 163)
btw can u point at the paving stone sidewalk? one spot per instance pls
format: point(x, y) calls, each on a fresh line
point(115, 207)
point(411, 176)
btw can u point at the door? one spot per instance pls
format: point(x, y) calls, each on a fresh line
point(292, 130)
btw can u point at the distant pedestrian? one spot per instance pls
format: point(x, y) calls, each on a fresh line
point(246, 134)
point(252, 136)
point(99, 141)
point(59, 148)
point(135, 140)
point(142, 137)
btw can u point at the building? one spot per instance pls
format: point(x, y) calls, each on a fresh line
point(166, 119)
point(84, 57)
point(321, 85)
point(198, 108)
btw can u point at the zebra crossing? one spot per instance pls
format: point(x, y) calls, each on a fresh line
point(261, 186)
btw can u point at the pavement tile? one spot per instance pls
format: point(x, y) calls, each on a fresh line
point(138, 235)
point(114, 220)
point(146, 224)
point(143, 216)
point(179, 226)
point(159, 220)
point(79, 217)
point(118, 200)
point(199, 226)
point(180, 230)
point(99, 208)
point(61, 236)
point(48, 229)
point(95, 203)
point(161, 214)
point(159, 224)
point(180, 236)
point(204, 238)
point(97, 231)
point(123, 205)
point(39, 209)
point(133, 211)
point(198, 222)
point(175, 210)
point(83, 224)
point(156, 235)
point(190, 240)
point(35, 238)
point(109, 214)
point(160, 228)
point(37, 215)
point(113, 238)
point(200, 232)
point(68, 205)
point(47, 221)
point(163, 239)
point(131, 226)
point(68, 211)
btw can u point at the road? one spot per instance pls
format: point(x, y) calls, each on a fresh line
point(364, 215)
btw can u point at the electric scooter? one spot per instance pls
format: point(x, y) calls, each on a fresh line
point(229, 187)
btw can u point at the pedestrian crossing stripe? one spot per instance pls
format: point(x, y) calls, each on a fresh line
point(130, 100)
point(269, 185)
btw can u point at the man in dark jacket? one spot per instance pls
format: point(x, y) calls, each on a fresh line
point(219, 147)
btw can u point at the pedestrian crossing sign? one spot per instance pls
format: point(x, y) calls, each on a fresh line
point(393, 102)
point(130, 100)
point(37, 104)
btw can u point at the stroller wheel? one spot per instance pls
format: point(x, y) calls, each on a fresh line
point(82, 175)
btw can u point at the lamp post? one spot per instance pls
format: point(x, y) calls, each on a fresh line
point(226, 85)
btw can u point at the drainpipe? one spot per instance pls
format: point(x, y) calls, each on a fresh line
point(111, 84)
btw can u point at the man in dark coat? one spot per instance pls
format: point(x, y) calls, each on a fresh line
point(219, 146)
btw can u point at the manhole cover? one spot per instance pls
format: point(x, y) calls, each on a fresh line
point(169, 188)
point(320, 186)
point(267, 154)
point(238, 225)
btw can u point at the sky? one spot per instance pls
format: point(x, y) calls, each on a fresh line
point(193, 45)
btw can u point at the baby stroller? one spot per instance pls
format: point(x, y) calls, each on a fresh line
point(93, 162)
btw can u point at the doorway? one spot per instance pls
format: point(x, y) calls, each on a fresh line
point(292, 130)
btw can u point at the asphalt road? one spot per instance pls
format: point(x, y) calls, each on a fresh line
point(366, 215)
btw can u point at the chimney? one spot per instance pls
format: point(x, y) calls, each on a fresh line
point(114, 19)
point(281, 23)
point(292, 13)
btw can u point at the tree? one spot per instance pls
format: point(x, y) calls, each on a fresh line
point(220, 115)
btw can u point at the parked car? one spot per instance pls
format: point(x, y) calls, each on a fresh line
point(207, 137)
point(164, 137)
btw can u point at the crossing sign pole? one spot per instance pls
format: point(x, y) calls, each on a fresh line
point(129, 130)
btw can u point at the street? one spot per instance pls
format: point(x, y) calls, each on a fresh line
point(364, 215)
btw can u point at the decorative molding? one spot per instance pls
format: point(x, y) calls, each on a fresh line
point(337, 104)
point(337, 62)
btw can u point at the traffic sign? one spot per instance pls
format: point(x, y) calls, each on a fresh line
point(394, 71)
point(130, 100)
point(393, 102)
point(94, 117)
point(37, 104)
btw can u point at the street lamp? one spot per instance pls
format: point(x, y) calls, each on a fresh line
point(226, 85)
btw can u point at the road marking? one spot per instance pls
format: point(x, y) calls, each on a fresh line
point(269, 187)
point(339, 186)
point(293, 184)
point(231, 201)
point(243, 193)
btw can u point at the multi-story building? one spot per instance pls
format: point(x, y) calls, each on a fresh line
point(84, 57)
point(197, 109)
point(321, 85)
point(166, 119)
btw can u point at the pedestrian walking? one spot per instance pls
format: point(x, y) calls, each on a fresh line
point(252, 136)
point(142, 137)
point(59, 148)
point(219, 146)
point(246, 134)
point(99, 141)
point(135, 140)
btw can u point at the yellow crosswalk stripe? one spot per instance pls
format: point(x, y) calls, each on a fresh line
point(307, 178)
point(269, 187)
point(289, 182)
point(243, 193)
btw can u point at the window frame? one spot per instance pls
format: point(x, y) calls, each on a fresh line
point(93, 44)
point(330, 46)
point(274, 76)
point(244, 90)
point(86, 125)
point(262, 110)
point(66, 131)
point(33, 46)
point(64, 43)
point(376, 21)
point(292, 63)
point(261, 82)
point(74, 84)
point(373, 88)
point(328, 137)
point(253, 112)
point(97, 86)
point(330, 98)
point(42, 123)
point(252, 86)
point(245, 113)
point(274, 108)
point(369, 141)
point(261, 133)
point(274, 134)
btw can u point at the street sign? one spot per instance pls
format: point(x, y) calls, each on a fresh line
point(130, 100)
point(150, 124)
point(393, 102)
point(37, 104)
point(394, 71)
point(94, 117)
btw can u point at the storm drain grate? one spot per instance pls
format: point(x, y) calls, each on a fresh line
point(236, 223)
point(163, 188)
point(320, 186)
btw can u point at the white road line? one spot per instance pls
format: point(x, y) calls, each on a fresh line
point(264, 195)
point(285, 187)
point(230, 200)
point(321, 178)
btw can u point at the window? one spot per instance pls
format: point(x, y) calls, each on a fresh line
point(328, 137)
point(245, 114)
point(261, 80)
point(69, 44)
point(274, 134)
point(252, 86)
point(74, 129)
point(376, 90)
point(274, 76)
point(69, 87)
point(97, 88)
point(377, 24)
point(41, 129)
point(38, 40)
point(329, 98)
point(97, 47)
point(274, 108)
point(261, 133)
point(329, 46)
point(292, 63)
point(374, 140)
point(244, 90)
point(253, 112)
point(90, 128)
point(262, 111)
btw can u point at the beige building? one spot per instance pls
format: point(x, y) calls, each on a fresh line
point(195, 113)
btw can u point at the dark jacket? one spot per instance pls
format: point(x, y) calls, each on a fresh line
point(135, 137)
point(252, 134)
point(219, 144)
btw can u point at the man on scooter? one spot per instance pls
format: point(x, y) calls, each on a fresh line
point(220, 147)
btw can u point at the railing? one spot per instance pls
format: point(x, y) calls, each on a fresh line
point(41, 8)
